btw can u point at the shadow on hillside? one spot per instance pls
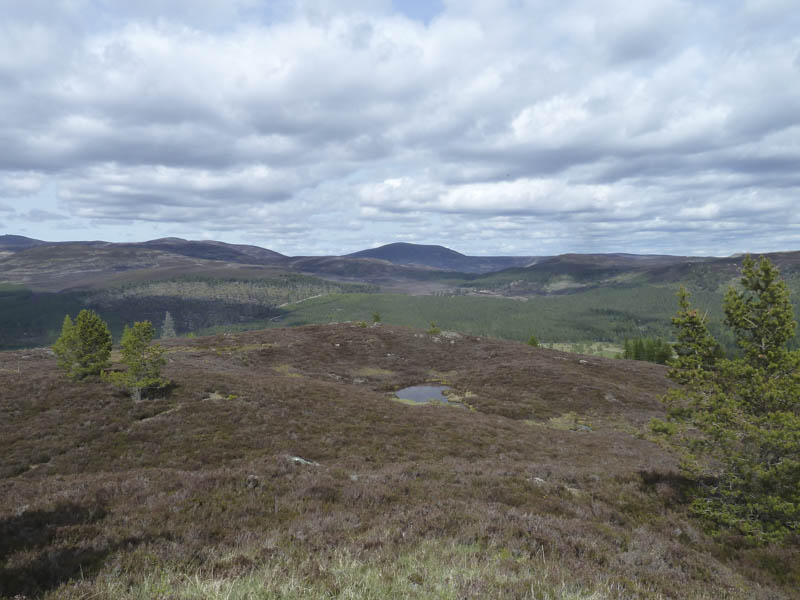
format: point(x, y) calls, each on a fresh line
point(681, 487)
point(44, 563)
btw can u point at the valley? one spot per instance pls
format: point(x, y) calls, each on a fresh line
point(212, 287)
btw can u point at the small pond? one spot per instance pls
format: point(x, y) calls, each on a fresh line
point(424, 393)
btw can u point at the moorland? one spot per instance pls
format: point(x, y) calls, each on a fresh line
point(280, 464)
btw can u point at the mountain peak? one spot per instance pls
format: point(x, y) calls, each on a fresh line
point(407, 252)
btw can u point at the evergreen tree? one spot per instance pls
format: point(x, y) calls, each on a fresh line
point(761, 316)
point(744, 413)
point(168, 327)
point(143, 360)
point(84, 347)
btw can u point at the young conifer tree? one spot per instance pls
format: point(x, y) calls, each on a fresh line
point(143, 360)
point(84, 347)
point(743, 414)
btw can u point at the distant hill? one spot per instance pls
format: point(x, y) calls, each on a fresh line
point(212, 250)
point(14, 243)
point(569, 273)
point(57, 266)
point(439, 257)
point(400, 267)
point(360, 268)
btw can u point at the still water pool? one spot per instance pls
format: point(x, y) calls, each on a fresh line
point(424, 393)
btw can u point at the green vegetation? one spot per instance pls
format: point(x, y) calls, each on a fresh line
point(533, 341)
point(272, 291)
point(143, 362)
point(608, 315)
point(650, 349)
point(84, 348)
point(743, 443)
point(31, 319)
point(602, 315)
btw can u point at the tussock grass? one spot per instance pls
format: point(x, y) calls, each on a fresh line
point(433, 569)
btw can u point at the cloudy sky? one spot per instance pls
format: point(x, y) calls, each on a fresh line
point(328, 126)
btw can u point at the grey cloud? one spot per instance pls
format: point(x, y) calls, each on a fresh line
point(300, 111)
point(37, 215)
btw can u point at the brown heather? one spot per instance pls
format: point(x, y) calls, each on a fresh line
point(543, 485)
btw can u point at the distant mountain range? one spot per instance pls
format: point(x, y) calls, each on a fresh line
point(410, 255)
point(415, 268)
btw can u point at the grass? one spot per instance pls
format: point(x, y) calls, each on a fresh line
point(432, 569)
point(201, 494)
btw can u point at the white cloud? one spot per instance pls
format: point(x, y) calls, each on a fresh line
point(20, 184)
point(259, 119)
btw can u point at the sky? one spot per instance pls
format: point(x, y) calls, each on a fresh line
point(492, 127)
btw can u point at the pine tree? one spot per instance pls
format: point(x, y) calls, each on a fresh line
point(168, 327)
point(743, 442)
point(84, 347)
point(761, 316)
point(143, 360)
point(696, 348)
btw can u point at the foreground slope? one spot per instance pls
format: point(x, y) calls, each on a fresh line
point(280, 466)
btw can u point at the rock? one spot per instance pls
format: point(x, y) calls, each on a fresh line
point(252, 481)
point(302, 461)
point(451, 335)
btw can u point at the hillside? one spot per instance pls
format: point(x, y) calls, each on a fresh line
point(55, 267)
point(572, 273)
point(280, 466)
point(49, 266)
point(213, 250)
point(14, 243)
point(567, 299)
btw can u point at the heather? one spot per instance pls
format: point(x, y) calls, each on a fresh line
point(280, 466)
